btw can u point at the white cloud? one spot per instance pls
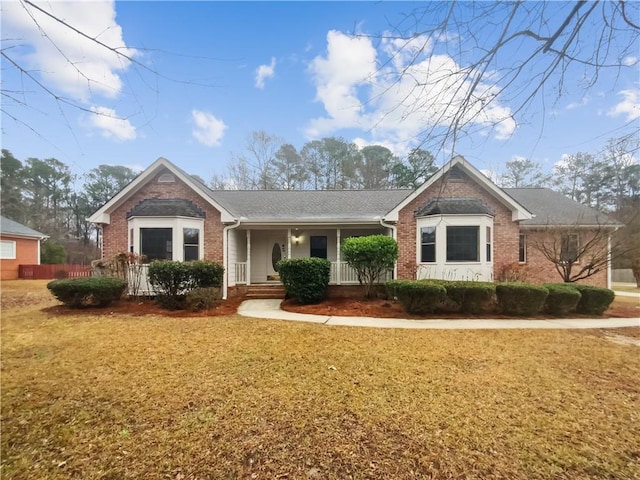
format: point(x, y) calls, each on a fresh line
point(85, 68)
point(414, 90)
point(265, 71)
point(111, 126)
point(629, 61)
point(630, 106)
point(583, 102)
point(208, 129)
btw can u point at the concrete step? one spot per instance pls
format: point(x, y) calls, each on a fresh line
point(265, 291)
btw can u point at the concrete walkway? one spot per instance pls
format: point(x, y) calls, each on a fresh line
point(270, 309)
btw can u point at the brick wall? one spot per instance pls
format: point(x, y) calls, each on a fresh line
point(540, 270)
point(116, 235)
point(26, 253)
point(505, 231)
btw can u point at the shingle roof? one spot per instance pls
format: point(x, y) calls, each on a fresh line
point(314, 205)
point(454, 206)
point(553, 208)
point(165, 207)
point(11, 227)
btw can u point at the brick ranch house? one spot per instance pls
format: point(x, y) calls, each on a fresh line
point(19, 245)
point(457, 225)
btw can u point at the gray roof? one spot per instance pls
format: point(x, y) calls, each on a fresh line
point(454, 206)
point(309, 205)
point(553, 208)
point(11, 227)
point(165, 207)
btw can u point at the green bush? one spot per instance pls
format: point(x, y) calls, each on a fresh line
point(203, 298)
point(562, 299)
point(172, 280)
point(418, 297)
point(470, 297)
point(305, 279)
point(521, 299)
point(206, 274)
point(87, 292)
point(391, 287)
point(371, 257)
point(594, 300)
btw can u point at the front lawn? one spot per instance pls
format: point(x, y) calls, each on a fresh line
point(115, 396)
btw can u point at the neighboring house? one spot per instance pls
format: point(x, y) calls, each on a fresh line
point(19, 245)
point(457, 225)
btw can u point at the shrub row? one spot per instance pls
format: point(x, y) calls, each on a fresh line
point(173, 280)
point(305, 279)
point(519, 299)
point(87, 292)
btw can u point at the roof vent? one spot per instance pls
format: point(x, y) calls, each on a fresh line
point(166, 178)
point(455, 175)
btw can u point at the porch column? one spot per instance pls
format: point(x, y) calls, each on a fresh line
point(289, 243)
point(338, 268)
point(248, 257)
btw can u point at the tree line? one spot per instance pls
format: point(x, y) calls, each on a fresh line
point(43, 193)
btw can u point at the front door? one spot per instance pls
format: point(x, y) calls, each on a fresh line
point(276, 251)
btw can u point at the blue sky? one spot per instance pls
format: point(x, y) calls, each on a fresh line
point(207, 74)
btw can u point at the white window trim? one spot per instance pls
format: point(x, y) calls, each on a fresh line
point(12, 246)
point(442, 268)
point(177, 224)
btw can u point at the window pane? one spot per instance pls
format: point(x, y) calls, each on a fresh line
point(318, 247)
point(191, 252)
point(155, 243)
point(569, 248)
point(522, 252)
point(7, 249)
point(488, 233)
point(462, 244)
point(191, 243)
point(191, 236)
point(428, 253)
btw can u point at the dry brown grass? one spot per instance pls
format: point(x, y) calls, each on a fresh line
point(130, 397)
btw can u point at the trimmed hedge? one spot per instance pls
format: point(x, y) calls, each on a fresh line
point(172, 280)
point(470, 297)
point(305, 279)
point(87, 292)
point(562, 299)
point(521, 299)
point(594, 300)
point(419, 297)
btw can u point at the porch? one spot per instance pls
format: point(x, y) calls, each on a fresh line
point(255, 252)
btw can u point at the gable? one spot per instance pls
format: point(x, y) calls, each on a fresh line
point(459, 170)
point(161, 171)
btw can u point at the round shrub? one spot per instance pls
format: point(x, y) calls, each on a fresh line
point(562, 299)
point(305, 279)
point(594, 300)
point(521, 299)
point(418, 297)
point(87, 292)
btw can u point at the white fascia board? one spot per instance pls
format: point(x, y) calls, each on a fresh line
point(310, 222)
point(101, 215)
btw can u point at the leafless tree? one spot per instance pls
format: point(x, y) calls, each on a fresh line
point(512, 53)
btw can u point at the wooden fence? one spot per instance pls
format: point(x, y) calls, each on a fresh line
point(49, 272)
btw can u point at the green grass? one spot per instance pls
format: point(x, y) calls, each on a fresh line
point(119, 397)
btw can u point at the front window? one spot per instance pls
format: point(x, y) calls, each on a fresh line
point(428, 240)
point(318, 247)
point(488, 242)
point(569, 248)
point(7, 249)
point(522, 249)
point(191, 243)
point(462, 244)
point(156, 243)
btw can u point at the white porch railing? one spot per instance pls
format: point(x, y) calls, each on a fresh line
point(241, 273)
point(348, 275)
point(138, 280)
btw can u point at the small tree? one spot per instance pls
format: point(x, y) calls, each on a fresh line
point(370, 257)
point(576, 253)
